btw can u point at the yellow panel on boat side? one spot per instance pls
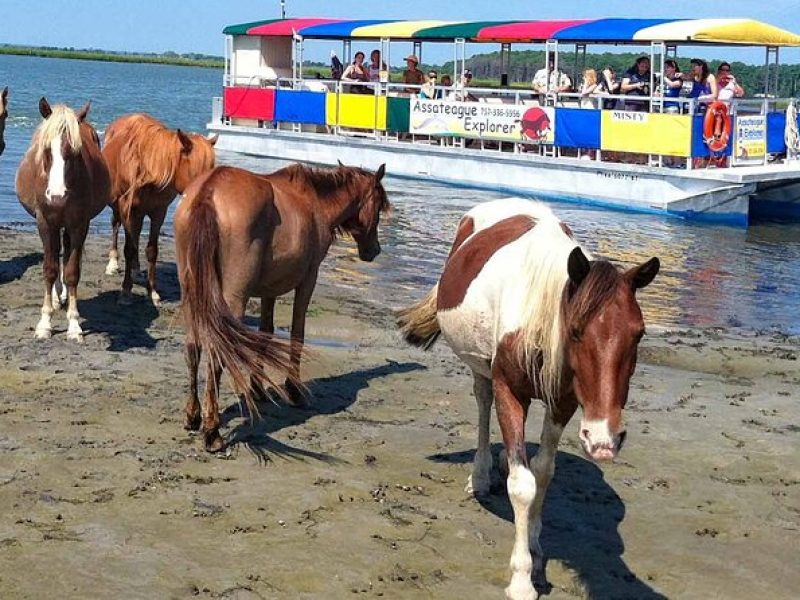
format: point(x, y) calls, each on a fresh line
point(646, 133)
point(359, 111)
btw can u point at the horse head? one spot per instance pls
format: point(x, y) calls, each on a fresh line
point(3, 116)
point(602, 325)
point(58, 142)
point(371, 202)
point(196, 157)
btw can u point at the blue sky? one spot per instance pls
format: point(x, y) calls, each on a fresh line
point(195, 25)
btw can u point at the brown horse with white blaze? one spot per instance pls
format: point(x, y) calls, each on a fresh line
point(63, 182)
point(150, 164)
point(240, 235)
point(533, 316)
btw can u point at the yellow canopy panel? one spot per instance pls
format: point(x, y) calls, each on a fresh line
point(400, 30)
point(720, 31)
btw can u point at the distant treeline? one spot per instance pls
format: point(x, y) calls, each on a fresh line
point(165, 58)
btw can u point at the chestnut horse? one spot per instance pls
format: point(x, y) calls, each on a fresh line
point(533, 316)
point(3, 117)
point(63, 182)
point(240, 235)
point(149, 165)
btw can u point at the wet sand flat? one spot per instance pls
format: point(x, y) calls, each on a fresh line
point(104, 495)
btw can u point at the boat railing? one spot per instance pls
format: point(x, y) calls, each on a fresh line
point(652, 130)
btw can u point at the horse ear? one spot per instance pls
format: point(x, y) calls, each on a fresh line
point(380, 172)
point(213, 138)
point(4, 94)
point(341, 164)
point(82, 113)
point(44, 108)
point(578, 266)
point(186, 142)
point(642, 275)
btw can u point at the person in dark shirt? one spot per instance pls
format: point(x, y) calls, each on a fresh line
point(636, 82)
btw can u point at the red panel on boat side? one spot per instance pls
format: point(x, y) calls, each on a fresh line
point(250, 103)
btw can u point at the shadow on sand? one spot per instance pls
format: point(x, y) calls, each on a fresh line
point(579, 525)
point(15, 268)
point(328, 396)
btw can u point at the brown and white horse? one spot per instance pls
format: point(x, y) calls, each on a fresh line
point(533, 316)
point(3, 117)
point(240, 235)
point(63, 182)
point(149, 165)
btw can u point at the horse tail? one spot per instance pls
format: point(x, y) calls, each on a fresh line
point(228, 343)
point(418, 323)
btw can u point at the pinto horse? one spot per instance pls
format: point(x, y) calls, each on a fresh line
point(3, 117)
point(240, 235)
point(149, 165)
point(533, 316)
point(63, 182)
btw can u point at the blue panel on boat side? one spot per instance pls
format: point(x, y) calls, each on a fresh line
point(699, 148)
point(776, 124)
point(578, 128)
point(300, 106)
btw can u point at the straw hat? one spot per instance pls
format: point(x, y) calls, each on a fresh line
point(413, 58)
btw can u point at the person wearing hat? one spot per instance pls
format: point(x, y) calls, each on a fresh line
point(412, 75)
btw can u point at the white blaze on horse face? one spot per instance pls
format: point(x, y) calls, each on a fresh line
point(598, 441)
point(56, 183)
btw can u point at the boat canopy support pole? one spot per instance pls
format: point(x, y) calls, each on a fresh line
point(226, 76)
point(658, 53)
point(386, 58)
point(460, 59)
point(505, 61)
point(418, 51)
point(347, 52)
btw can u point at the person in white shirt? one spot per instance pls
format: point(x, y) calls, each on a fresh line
point(729, 88)
point(551, 80)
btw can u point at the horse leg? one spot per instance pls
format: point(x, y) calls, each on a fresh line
point(193, 352)
point(479, 482)
point(72, 275)
point(52, 248)
point(266, 325)
point(511, 414)
point(302, 298)
point(156, 220)
point(544, 464)
point(133, 229)
point(210, 418)
point(112, 268)
point(59, 289)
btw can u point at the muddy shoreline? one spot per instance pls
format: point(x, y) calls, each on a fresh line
point(105, 496)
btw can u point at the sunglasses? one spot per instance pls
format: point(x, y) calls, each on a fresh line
point(432, 75)
point(725, 70)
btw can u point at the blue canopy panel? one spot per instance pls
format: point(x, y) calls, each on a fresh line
point(608, 30)
point(343, 29)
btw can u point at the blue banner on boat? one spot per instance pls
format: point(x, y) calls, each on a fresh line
point(776, 127)
point(300, 107)
point(578, 128)
point(699, 148)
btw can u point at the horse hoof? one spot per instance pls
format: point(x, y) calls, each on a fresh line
point(75, 336)
point(156, 299)
point(192, 423)
point(214, 442)
point(296, 396)
point(112, 268)
point(521, 591)
point(125, 298)
point(43, 333)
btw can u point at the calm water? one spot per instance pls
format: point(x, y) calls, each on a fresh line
point(711, 276)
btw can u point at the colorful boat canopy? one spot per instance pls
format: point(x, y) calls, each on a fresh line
point(617, 31)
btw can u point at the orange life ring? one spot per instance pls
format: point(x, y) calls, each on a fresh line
point(717, 126)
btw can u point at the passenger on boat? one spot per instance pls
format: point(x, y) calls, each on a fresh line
point(672, 85)
point(428, 89)
point(549, 79)
point(609, 86)
point(460, 92)
point(589, 89)
point(636, 82)
point(445, 87)
point(376, 66)
point(412, 75)
point(729, 88)
point(704, 84)
point(357, 72)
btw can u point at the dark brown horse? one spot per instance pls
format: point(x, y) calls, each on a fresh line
point(3, 117)
point(526, 309)
point(240, 235)
point(149, 165)
point(63, 182)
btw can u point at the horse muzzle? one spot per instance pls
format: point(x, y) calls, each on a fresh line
point(598, 442)
point(369, 254)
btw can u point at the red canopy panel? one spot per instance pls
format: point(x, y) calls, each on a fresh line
point(526, 31)
point(288, 26)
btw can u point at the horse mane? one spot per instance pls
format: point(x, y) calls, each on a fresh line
point(326, 182)
point(151, 152)
point(544, 271)
point(61, 122)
